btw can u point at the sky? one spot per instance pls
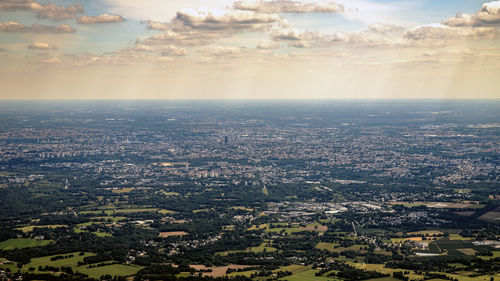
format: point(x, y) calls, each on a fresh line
point(247, 49)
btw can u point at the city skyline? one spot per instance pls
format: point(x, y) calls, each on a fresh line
point(358, 49)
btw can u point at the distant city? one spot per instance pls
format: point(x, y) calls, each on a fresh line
point(250, 190)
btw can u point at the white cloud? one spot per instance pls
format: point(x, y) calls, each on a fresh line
point(42, 46)
point(287, 6)
point(181, 38)
point(168, 50)
point(159, 10)
point(35, 28)
point(151, 24)
point(48, 10)
point(268, 45)
point(442, 32)
point(221, 19)
point(487, 15)
point(222, 51)
point(383, 28)
point(103, 18)
point(53, 60)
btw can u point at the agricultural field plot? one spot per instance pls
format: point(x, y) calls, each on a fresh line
point(316, 227)
point(307, 275)
point(243, 208)
point(326, 246)
point(258, 227)
point(108, 211)
point(371, 231)
point(294, 269)
point(71, 261)
point(247, 273)
point(382, 269)
point(431, 232)
point(21, 243)
point(286, 230)
point(135, 210)
point(112, 269)
point(8, 265)
point(85, 224)
point(467, 251)
point(399, 240)
point(123, 190)
point(109, 219)
point(102, 234)
point(96, 212)
point(172, 233)
point(261, 248)
point(384, 279)
point(469, 278)
point(356, 248)
point(445, 244)
point(30, 228)
point(258, 249)
point(491, 215)
point(219, 270)
point(454, 236)
point(496, 254)
point(164, 212)
point(168, 193)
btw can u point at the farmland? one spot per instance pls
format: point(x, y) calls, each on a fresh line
point(21, 243)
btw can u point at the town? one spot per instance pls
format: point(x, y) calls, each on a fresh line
point(249, 191)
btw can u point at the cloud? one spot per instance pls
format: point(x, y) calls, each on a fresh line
point(53, 60)
point(48, 10)
point(300, 44)
point(181, 38)
point(442, 32)
point(35, 28)
point(169, 50)
point(288, 34)
point(41, 46)
point(286, 6)
point(489, 14)
point(218, 19)
point(155, 25)
point(385, 28)
point(268, 45)
point(222, 51)
point(103, 18)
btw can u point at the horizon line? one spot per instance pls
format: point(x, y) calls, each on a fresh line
point(255, 99)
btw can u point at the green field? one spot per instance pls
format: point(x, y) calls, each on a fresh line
point(30, 228)
point(113, 269)
point(265, 191)
point(261, 248)
point(454, 236)
point(95, 272)
point(96, 212)
point(326, 246)
point(294, 269)
point(20, 243)
point(43, 261)
point(307, 275)
point(285, 230)
point(496, 254)
point(102, 234)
